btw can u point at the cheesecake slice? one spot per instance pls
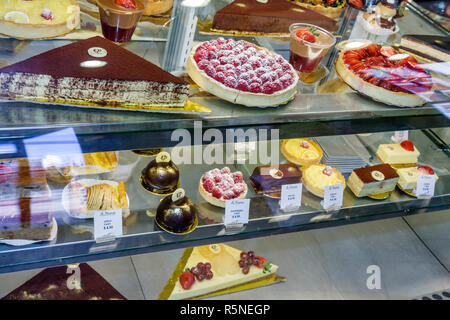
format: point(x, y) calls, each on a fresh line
point(211, 268)
point(408, 176)
point(372, 180)
point(427, 47)
point(404, 153)
point(93, 72)
point(267, 17)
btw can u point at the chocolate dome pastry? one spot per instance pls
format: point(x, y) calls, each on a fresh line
point(176, 213)
point(161, 175)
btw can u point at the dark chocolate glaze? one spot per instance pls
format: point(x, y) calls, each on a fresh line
point(263, 182)
point(162, 176)
point(178, 216)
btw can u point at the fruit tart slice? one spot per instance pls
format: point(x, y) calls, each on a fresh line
point(385, 75)
point(242, 73)
point(330, 8)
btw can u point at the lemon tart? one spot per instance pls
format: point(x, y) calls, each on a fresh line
point(317, 176)
point(209, 269)
point(38, 19)
point(302, 152)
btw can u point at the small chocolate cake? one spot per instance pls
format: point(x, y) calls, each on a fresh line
point(176, 213)
point(161, 175)
point(269, 179)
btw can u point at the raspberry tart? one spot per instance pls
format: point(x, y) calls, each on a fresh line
point(241, 72)
point(384, 74)
point(217, 186)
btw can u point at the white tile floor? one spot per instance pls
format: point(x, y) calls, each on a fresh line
point(318, 264)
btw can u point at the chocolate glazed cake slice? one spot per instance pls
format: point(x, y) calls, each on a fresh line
point(93, 71)
point(267, 17)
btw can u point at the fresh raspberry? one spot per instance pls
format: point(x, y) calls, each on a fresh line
point(279, 59)
point(285, 66)
point(129, 4)
point(247, 67)
point(286, 80)
point(225, 170)
point(220, 68)
point(217, 178)
point(235, 61)
point(255, 87)
point(238, 189)
point(226, 46)
point(327, 171)
point(251, 74)
point(261, 54)
point(220, 77)
point(210, 71)
point(260, 72)
point(215, 63)
point(257, 81)
point(305, 144)
point(224, 60)
point(244, 76)
point(208, 185)
point(238, 50)
point(203, 64)
point(216, 193)
point(242, 85)
point(47, 14)
point(215, 172)
point(306, 35)
point(267, 88)
point(255, 63)
point(265, 78)
point(200, 54)
point(220, 41)
point(237, 177)
point(273, 76)
point(228, 194)
point(277, 85)
point(212, 55)
point(230, 82)
point(229, 66)
point(242, 58)
point(239, 70)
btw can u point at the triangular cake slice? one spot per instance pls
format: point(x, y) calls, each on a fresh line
point(427, 47)
point(267, 17)
point(227, 266)
point(94, 72)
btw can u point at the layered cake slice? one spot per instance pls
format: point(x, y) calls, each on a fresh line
point(403, 154)
point(212, 268)
point(270, 179)
point(408, 176)
point(267, 17)
point(427, 47)
point(372, 180)
point(94, 72)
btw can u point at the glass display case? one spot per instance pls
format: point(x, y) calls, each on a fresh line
point(227, 166)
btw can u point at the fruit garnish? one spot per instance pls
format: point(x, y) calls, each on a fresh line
point(187, 279)
point(305, 144)
point(327, 171)
point(261, 261)
point(407, 145)
point(356, 3)
point(387, 51)
point(267, 267)
point(425, 169)
point(47, 14)
point(307, 35)
point(128, 4)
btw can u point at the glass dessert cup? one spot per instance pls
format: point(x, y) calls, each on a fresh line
point(305, 56)
point(118, 23)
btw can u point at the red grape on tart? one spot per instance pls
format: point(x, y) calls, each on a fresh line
point(384, 74)
point(242, 73)
point(219, 185)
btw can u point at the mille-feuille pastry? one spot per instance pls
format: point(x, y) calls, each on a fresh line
point(317, 176)
point(408, 176)
point(301, 151)
point(398, 155)
point(372, 180)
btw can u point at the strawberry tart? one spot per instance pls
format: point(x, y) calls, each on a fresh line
point(384, 74)
point(217, 186)
point(241, 72)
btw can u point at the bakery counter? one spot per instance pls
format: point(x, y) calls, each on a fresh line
point(74, 239)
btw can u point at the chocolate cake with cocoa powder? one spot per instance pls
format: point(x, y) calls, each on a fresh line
point(267, 17)
point(96, 71)
point(372, 180)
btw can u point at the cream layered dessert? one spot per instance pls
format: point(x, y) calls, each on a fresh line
point(96, 71)
point(372, 180)
point(404, 153)
point(309, 44)
point(317, 176)
point(408, 176)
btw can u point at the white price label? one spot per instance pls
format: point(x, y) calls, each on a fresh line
point(425, 185)
point(291, 196)
point(236, 211)
point(333, 197)
point(108, 223)
point(400, 136)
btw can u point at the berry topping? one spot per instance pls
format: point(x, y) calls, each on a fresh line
point(305, 144)
point(425, 169)
point(407, 145)
point(242, 85)
point(47, 14)
point(203, 64)
point(216, 193)
point(237, 177)
point(307, 35)
point(208, 185)
point(230, 82)
point(187, 280)
point(129, 4)
point(387, 51)
point(267, 88)
point(327, 171)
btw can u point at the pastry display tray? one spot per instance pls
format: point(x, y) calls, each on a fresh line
point(75, 243)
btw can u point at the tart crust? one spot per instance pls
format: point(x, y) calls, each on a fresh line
point(299, 161)
point(42, 31)
point(317, 191)
point(236, 96)
point(218, 202)
point(399, 99)
point(330, 12)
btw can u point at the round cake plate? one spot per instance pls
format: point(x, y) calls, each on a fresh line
point(189, 230)
point(155, 192)
point(380, 196)
point(277, 105)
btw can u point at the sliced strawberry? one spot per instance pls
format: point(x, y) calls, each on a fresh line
point(407, 145)
point(351, 61)
point(261, 260)
point(387, 51)
point(425, 169)
point(327, 171)
point(306, 35)
point(47, 14)
point(305, 144)
point(373, 50)
point(187, 279)
point(129, 4)
point(415, 66)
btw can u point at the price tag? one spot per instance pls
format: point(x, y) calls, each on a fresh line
point(236, 211)
point(333, 197)
point(425, 185)
point(400, 136)
point(291, 196)
point(107, 224)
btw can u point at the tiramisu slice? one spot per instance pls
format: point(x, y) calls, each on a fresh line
point(372, 180)
point(94, 72)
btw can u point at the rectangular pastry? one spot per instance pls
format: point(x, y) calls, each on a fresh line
point(269, 179)
point(428, 47)
point(25, 212)
point(372, 180)
point(408, 176)
point(404, 153)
